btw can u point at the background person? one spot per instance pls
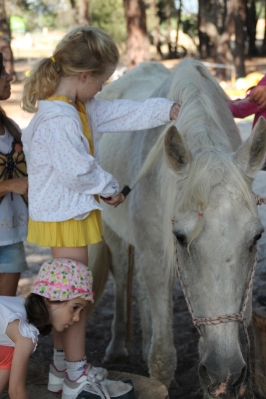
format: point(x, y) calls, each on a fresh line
point(13, 196)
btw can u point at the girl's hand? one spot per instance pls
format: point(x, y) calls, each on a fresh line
point(174, 111)
point(258, 95)
point(114, 201)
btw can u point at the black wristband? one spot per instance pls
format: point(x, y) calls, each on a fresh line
point(126, 190)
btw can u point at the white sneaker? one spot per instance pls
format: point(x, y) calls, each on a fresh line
point(92, 389)
point(56, 377)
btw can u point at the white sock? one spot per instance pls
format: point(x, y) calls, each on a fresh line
point(59, 359)
point(75, 369)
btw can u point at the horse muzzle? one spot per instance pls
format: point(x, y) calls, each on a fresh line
point(220, 379)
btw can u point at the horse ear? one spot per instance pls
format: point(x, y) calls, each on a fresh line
point(251, 155)
point(178, 155)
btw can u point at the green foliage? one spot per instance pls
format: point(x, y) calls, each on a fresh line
point(57, 14)
point(110, 16)
point(53, 14)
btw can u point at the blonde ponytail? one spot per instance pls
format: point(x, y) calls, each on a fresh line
point(85, 48)
point(41, 83)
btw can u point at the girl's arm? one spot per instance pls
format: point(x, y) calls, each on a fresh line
point(243, 108)
point(127, 115)
point(17, 186)
point(23, 349)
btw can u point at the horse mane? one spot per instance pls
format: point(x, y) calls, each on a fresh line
point(202, 128)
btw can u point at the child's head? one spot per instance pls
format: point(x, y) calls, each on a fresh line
point(62, 289)
point(85, 48)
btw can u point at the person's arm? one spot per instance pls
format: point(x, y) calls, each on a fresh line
point(243, 108)
point(258, 96)
point(73, 165)
point(127, 115)
point(16, 186)
point(23, 349)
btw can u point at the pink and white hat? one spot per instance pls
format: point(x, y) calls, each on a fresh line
point(64, 279)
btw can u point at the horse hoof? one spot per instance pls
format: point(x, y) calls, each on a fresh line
point(115, 357)
point(174, 384)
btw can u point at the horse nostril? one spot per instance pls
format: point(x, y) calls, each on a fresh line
point(203, 373)
point(241, 378)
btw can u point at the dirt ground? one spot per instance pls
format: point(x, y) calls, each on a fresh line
point(99, 325)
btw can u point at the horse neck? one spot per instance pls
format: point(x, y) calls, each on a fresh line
point(205, 119)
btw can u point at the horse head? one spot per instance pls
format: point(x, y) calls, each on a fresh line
point(215, 228)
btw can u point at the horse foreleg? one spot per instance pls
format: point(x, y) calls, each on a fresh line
point(145, 312)
point(162, 358)
point(117, 349)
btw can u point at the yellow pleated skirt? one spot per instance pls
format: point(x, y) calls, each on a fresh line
point(69, 233)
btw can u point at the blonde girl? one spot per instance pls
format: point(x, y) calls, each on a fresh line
point(61, 147)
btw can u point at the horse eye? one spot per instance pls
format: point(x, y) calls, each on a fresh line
point(181, 238)
point(255, 239)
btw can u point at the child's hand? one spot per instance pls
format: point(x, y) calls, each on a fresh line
point(114, 201)
point(19, 186)
point(174, 111)
point(258, 95)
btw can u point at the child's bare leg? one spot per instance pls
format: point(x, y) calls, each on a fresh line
point(72, 340)
point(4, 377)
point(80, 254)
point(9, 283)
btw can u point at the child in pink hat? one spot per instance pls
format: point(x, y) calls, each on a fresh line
point(61, 293)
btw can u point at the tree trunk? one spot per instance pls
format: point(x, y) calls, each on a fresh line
point(235, 22)
point(178, 22)
point(80, 11)
point(209, 20)
point(138, 41)
point(83, 12)
point(240, 23)
point(155, 27)
point(168, 28)
point(5, 38)
point(251, 28)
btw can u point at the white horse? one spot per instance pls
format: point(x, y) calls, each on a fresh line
point(194, 198)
